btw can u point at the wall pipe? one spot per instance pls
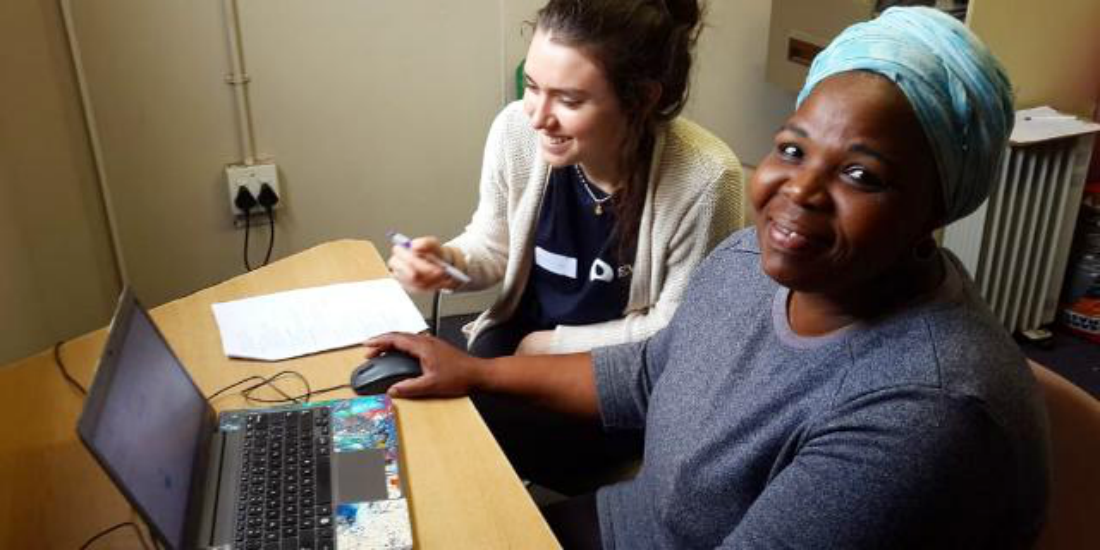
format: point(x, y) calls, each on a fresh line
point(239, 80)
point(122, 274)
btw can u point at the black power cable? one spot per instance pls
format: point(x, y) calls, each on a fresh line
point(247, 225)
point(267, 200)
point(88, 543)
point(64, 371)
point(261, 381)
point(270, 381)
point(218, 393)
point(245, 202)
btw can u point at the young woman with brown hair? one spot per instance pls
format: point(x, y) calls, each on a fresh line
point(596, 199)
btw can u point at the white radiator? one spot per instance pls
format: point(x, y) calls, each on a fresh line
point(1016, 245)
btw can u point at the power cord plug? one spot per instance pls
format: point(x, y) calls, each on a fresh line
point(244, 200)
point(267, 198)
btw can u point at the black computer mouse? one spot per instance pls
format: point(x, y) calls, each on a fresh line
point(379, 373)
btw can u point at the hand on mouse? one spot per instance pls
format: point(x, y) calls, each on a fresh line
point(448, 372)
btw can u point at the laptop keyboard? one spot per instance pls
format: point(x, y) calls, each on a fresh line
point(285, 498)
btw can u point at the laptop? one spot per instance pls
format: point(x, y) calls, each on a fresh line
point(318, 476)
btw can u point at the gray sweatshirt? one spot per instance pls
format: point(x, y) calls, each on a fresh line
point(921, 429)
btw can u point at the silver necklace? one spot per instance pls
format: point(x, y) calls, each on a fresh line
point(588, 189)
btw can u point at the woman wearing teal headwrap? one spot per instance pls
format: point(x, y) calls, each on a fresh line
point(957, 89)
point(832, 379)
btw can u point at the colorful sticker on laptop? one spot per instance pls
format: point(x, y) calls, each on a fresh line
point(378, 525)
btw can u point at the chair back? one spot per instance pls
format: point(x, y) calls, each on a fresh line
point(1073, 517)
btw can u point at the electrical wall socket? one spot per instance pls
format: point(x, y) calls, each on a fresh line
point(252, 177)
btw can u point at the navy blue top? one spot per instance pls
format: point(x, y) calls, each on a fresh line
point(577, 278)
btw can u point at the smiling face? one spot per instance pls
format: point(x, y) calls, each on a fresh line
point(573, 107)
point(848, 190)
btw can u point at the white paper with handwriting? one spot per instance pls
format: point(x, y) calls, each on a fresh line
point(310, 320)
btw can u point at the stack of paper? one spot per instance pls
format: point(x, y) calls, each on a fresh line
point(299, 322)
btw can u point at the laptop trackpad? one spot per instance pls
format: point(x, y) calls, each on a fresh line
point(360, 476)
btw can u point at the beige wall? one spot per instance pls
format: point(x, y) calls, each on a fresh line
point(374, 111)
point(811, 22)
point(1048, 47)
point(56, 274)
point(729, 95)
point(1051, 49)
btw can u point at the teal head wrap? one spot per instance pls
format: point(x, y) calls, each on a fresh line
point(959, 92)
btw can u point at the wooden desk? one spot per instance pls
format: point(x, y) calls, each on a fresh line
point(462, 491)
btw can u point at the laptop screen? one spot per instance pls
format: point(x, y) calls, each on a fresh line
point(144, 421)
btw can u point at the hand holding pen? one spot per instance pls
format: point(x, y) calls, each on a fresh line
point(418, 264)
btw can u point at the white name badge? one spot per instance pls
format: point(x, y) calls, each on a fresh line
point(556, 263)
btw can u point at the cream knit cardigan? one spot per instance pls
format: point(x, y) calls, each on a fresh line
point(694, 200)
